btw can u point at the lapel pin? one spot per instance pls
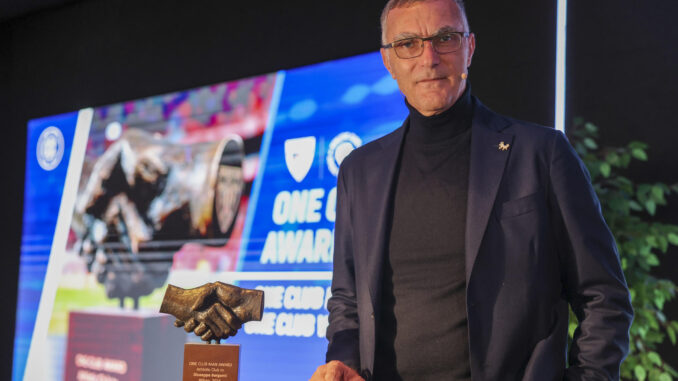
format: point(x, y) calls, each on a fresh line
point(503, 146)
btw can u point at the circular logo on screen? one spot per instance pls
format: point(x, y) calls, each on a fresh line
point(50, 148)
point(340, 147)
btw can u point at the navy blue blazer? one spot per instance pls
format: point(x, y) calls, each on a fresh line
point(535, 241)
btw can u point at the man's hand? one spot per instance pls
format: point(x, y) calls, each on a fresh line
point(335, 371)
point(213, 323)
point(246, 305)
point(213, 311)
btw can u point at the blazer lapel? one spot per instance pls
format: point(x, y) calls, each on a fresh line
point(489, 152)
point(384, 183)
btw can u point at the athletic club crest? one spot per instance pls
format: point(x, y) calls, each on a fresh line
point(50, 148)
point(299, 154)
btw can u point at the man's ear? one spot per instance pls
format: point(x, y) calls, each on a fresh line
point(387, 63)
point(471, 48)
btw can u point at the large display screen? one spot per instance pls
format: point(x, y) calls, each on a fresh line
point(233, 182)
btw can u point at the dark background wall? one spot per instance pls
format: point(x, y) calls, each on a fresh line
point(93, 52)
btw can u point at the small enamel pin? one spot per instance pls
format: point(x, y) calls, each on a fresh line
point(503, 146)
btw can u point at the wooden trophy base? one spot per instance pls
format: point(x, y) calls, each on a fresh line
point(211, 362)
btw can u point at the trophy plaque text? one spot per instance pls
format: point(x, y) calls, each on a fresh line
point(207, 362)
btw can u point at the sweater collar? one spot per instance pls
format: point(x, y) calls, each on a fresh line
point(443, 126)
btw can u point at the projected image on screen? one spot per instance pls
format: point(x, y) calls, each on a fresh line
point(233, 182)
point(144, 198)
point(164, 173)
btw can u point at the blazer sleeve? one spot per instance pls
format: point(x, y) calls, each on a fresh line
point(593, 280)
point(343, 328)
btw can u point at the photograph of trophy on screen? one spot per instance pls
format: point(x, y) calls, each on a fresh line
point(145, 198)
point(164, 187)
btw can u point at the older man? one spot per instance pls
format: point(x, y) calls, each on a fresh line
point(462, 236)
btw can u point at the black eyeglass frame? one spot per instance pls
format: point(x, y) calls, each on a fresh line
point(423, 40)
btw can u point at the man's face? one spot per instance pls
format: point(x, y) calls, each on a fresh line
point(432, 82)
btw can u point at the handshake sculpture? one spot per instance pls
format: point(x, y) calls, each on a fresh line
point(213, 311)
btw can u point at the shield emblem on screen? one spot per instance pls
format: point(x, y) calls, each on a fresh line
point(299, 154)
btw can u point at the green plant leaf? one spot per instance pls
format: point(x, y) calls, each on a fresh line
point(605, 169)
point(623, 180)
point(664, 377)
point(642, 191)
point(612, 158)
point(636, 206)
point(580, 148)
point(636, 144)
point(640, 372)
point(639, 154)
point(651, 240)
point(658, 194)
point(651, 207)
point(663, 243)
point(625, 159)
point(652, 260)
point(659, 300)
point(591, 128)
point(642, 331)
point(654, 357)
point(672, 334)
point(657, 191)
point(590, 143)
point(673, 238)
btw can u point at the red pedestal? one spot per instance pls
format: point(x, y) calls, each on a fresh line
point(111, 344)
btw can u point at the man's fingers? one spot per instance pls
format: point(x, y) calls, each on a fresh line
point(233, 322)
point(190, 325)
point(178, 323)
point(333, 374)
point(326, 372)
point(201, 329)
point(213, 317)
point(319, 374)
point(338, 371)
point(207, 336)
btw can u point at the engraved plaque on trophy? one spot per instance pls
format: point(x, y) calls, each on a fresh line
point(213, 311)
point(211, 362)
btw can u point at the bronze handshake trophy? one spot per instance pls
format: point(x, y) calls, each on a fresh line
point(213, 311)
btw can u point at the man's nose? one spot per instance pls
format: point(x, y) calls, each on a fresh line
point(429, 56)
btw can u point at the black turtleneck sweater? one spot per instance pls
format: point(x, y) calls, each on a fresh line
point(422, 331)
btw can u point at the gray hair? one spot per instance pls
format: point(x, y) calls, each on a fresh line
point(392, 4)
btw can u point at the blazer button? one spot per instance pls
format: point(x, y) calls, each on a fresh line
point(372, 315)
point(366, 374)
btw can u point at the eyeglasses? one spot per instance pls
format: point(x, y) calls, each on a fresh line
point(442, 43)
